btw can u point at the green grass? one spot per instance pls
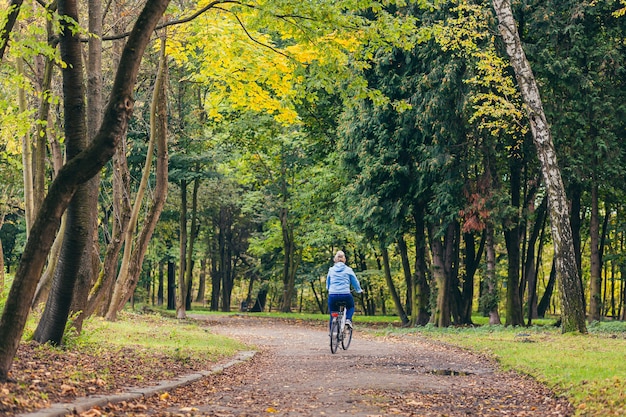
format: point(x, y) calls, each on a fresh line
point(589, 369)
point(182, 339)
point(365, 320)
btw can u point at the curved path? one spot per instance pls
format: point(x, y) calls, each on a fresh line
point(294, 374)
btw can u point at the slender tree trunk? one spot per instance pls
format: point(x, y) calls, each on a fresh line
point(512, 235)
point(442, 314)
point(408, 276)
point(5, 33)
point(192, 239)
point(491, 280)
point(27, 160)
point(182, 224)
point(160, 288)
point(392, 288)
point(79, 170)
point(2, 274)
point(290, 262)
point(216, 279)
point(134, 251)
point(171, 285)
point(530, 266)
point(533, 306)
point(422, 288)
point(41, 130)
point(90, 258)
point(573, 311)
point(595, 291)
point(202, 282)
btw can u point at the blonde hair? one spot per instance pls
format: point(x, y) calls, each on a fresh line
point(339, 256)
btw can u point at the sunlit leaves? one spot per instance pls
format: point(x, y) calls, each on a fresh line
point(496, 103)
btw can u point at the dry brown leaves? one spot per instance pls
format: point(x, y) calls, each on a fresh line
point(43, 375)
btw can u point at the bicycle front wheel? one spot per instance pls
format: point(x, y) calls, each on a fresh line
point(334, 336)
point(347, 337)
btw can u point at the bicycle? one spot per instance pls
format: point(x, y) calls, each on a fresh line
point(339, 332)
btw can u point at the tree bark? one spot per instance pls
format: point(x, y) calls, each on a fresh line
point(27, 159)
point(491, 280)
point(422, 289)
point(192, 239)
point(442, 314)
point(573, 312)
point(392, 288)
point(161, 176)
point(408, 276)
point(595, 290)
point(90, 258)
point(134, 251)
point(78, 170)
point(52, 324)
point(181, 295)
point(5, 33)
point(512, 236)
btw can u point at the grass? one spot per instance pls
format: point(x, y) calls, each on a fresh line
point(366, 320)
point(589, 369)
point(184, 340)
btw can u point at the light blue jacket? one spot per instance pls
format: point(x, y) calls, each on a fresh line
point(339, 278)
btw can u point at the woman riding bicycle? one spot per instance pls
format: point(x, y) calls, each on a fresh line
point(338, 281)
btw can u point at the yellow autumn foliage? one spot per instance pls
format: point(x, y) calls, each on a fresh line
point(247, 65)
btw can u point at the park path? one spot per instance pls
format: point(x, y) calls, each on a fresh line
point(294, 374)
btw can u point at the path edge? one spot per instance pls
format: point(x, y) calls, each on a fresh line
point(82, 404)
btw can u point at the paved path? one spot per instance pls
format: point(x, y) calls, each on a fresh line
point(297, 375)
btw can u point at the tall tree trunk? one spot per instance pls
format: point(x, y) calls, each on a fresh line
point(78, 229)
point(192, 239)
point(134, 250)
point(422, 288)
point(595, 290)
point(27, 159)
point(544, 303)
point(472, 257)
point(77, 171)
point(408, 276)
point(216, 279)
point(530, 266)
point(490, 295)
point(512, 235)
point(392, 288)
point(290, 262)
point(171, 285)
point(202, 281)
point(573, 311)
point(90, 258)
point(161, 289)
point(442, 314)
point(182, 224)
point(534, 274)
point(5, 32)
point(2, 274)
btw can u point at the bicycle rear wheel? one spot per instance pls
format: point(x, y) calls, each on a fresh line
point(347, 337)
point(334, 335)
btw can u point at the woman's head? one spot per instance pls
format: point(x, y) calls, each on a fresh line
point(340, 256)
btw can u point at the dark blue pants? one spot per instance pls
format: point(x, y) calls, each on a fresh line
point(335, 299)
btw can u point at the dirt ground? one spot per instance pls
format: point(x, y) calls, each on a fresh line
point(295, 374)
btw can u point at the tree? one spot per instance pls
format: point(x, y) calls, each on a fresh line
point(78, 228)
point(573, 312)
point(78, 170)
